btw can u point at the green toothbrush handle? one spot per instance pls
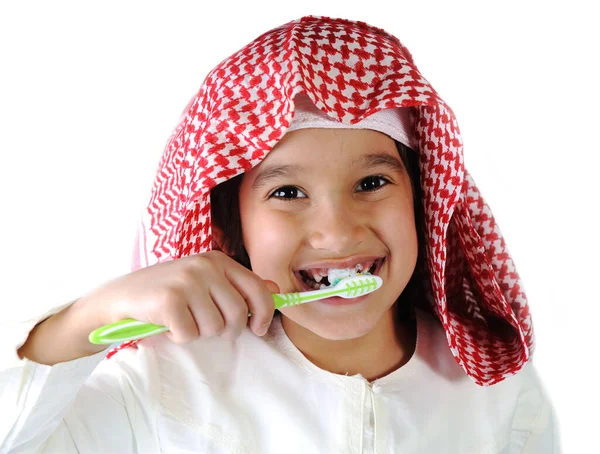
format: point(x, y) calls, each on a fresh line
point(130, 329)
point(124, 330)
point(293, 299)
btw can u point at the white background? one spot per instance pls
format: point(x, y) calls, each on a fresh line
point(89, 95)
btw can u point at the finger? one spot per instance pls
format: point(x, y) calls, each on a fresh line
point(257, 295)
point(272, 286)
point(181, 324)
point(232, 306)
point(209, 319)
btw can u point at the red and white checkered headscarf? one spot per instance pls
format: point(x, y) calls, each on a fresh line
point(349, 70)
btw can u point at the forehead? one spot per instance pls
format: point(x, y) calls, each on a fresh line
point(329, 143)
point(326, 152)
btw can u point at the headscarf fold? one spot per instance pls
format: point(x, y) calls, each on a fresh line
point(349, 70)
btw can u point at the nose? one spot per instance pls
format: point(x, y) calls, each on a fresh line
point(337, 227)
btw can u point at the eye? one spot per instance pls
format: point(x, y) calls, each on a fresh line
point(288, 193)
point(372, 183)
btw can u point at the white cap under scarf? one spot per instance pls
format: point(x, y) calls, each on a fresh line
point(397, 123)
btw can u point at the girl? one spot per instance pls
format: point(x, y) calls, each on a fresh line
point(316, 149)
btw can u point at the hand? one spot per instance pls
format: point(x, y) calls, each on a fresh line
point(204, 295)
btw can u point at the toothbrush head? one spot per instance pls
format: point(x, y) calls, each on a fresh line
point(347, 287)
point(358, 285)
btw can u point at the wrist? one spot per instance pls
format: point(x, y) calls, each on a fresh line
point(60, 338)
point(85, 317)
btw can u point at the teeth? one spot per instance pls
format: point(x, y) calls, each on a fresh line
point(334, 275)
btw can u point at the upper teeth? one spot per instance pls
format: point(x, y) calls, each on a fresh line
point(335, 274)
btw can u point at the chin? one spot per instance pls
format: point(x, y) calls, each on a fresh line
point(341, 330)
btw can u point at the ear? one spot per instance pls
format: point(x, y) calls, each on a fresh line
point(218, 243)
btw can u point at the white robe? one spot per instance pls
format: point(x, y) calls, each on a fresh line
point(261, 395)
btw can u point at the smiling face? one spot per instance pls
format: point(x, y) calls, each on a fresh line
point(331, 198)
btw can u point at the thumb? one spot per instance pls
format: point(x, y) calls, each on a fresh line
point(272, 286)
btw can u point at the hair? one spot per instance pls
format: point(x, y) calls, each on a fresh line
point(227, 224)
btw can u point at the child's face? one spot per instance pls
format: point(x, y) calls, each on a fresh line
point(331, 198)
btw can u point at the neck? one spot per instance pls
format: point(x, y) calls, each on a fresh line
point(383, 350)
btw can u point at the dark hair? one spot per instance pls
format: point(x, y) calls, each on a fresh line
point(226, 220)
point(227, 223)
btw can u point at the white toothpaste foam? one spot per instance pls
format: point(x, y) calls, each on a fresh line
point(336, 275)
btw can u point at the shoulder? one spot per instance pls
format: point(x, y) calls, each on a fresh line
point(433, 350)
point(517, 410)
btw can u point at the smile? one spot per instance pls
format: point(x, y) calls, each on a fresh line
point(318, 278)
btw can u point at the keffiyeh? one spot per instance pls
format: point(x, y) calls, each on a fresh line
point(349, 70)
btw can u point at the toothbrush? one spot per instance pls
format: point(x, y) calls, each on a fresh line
point(348, 287)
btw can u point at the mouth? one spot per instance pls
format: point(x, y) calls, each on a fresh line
point(319, 278)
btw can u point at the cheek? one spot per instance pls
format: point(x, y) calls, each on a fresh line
point(270, 239)
point(398, 229)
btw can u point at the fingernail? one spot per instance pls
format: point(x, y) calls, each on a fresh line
point(263, 329)
point(272, 286)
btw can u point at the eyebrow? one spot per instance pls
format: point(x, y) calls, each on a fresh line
point(368, 160)
point(381, 158)
point(275, 171)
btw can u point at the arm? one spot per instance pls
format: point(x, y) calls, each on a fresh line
point(63, 336)
point(50, 393)
point(81, 405)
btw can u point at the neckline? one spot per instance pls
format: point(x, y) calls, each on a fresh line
point(279, 338)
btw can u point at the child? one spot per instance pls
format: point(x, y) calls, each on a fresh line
point(317, 147)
